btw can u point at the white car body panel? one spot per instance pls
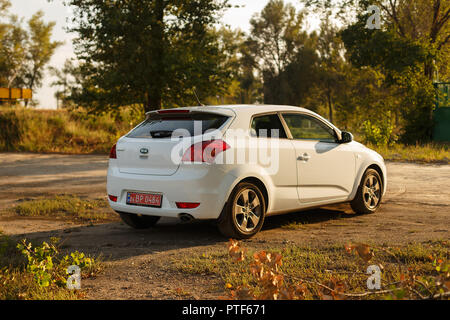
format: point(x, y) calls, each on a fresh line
point(332, 175)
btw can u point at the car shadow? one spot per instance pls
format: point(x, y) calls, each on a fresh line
point(116, 241)
point(310, 216)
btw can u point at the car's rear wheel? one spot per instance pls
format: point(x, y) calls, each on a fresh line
point(244, 213)
point(138, 221)
point(369, 194)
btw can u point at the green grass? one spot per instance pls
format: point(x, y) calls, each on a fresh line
point(427, 153)
point(320, 265)
point(65, 207)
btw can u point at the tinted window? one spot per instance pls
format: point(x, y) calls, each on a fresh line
point(268, 126)
point(162, 126)
point(308, 128)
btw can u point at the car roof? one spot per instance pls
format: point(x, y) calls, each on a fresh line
point(248, 110)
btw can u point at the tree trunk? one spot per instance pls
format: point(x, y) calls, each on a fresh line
point(429, 68)
point(157, 70)
point(330, 106)
point(154, 101)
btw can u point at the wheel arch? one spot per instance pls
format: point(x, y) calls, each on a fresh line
point(362, 169)
point(260, 185)
point(377, 168)
point(251, 179)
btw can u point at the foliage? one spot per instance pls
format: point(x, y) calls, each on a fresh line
point(40, 261)
point(282, 53)
point(44, 263)
point(152, 53)
point(25, 52)
point(417, 109)
point(67, 79)
point(43, 274)
point(381, 132)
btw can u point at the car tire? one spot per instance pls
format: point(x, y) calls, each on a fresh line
point(138, 221)
point(369, 195)
point(244, 213)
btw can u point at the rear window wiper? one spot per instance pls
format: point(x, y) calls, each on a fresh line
point(161, 134)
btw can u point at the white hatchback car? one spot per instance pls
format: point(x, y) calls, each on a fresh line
point(237, 165)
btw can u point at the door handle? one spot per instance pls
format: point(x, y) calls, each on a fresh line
point(304, 157)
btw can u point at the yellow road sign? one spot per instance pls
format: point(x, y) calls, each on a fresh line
point(15, 94)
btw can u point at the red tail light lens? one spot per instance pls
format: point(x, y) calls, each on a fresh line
point(205, 151)
point(112, 198)
point(113, 153)
point(187, 205)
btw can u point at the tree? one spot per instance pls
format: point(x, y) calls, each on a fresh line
point(24, 53)
point(4, 5)
point(245, 87)
point(277, 35)
point(283, 52)
point(424, 22)
point(67, 81)
point(156, 53)
point(39, 50)
point(332, 72)
point(13, 52)
point(405, 62)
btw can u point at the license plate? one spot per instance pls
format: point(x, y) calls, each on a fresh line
point(144, 199)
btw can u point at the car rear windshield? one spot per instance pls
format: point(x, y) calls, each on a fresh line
point(162, 125)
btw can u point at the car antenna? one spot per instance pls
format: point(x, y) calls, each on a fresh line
point(198, 100)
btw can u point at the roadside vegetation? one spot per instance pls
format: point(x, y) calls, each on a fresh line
point(65, 207)
point(426, 153)
point(31, 271)
point(77, 132)
point(415, 271)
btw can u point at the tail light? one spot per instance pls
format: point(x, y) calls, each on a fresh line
point(205, 151)
point(112, 198)
point(187, 205)
point(113, 153)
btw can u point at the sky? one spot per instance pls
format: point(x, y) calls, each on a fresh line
point(57, 12)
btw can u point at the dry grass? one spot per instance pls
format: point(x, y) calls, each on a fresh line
point(65, 207)
point(61, 131)
point(323, 264)
point(428, 153)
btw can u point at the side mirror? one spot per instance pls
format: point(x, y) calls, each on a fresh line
point(347, 137)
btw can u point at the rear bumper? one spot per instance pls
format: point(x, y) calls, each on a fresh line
point(203, 183)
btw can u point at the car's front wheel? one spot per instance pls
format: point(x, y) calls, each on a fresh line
point(370, 191)
point(138, 221)
point(244, 213)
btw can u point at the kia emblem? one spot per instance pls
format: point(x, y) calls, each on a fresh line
point(144, 151)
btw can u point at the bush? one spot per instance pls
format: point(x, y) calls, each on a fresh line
point(10, 130)
point(417, 111)
point(380, 133)
point(42, 275)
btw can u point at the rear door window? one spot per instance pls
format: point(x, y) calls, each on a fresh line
point(163, 126)
point(268, 126)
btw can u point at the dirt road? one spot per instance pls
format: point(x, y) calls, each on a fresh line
point(415, 209)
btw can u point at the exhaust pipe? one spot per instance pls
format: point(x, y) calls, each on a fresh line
point(184, 217)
